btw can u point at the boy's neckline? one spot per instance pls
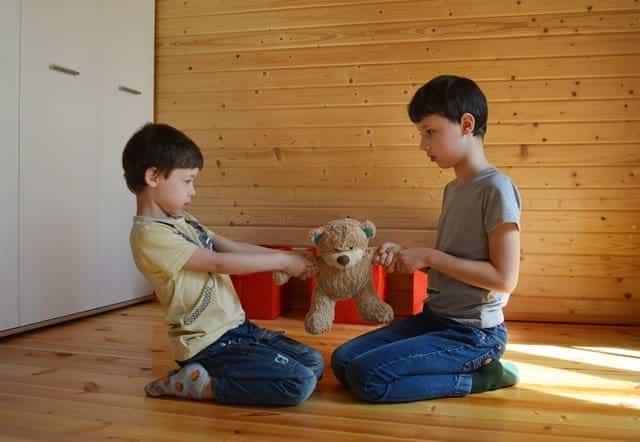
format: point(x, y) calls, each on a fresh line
point(157, 218)
point(457, 182)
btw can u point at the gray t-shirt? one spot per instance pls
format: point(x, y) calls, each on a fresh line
point(470, 211)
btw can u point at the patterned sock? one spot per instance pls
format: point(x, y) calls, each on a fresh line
point(494, 375)
point(188, 382)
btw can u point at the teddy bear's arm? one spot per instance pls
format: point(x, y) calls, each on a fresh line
point(281, 278)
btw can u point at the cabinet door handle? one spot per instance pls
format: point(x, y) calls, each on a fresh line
point(129, 90)
point(64, 70)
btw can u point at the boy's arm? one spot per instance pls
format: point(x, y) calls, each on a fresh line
point(204, 260)
point(227, 245)
point(500, 273)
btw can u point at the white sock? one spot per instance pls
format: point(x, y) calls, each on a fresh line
point(187, 382)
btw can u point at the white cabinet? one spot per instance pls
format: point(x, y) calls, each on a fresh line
point(58, 158)
point(127, 104)
point(85, 84)
point(9, 106)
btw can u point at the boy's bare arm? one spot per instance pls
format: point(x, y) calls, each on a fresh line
point(227, 245)
point(204, 260)
point(500, 273)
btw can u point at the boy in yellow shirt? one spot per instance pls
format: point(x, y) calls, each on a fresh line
point(222, 356)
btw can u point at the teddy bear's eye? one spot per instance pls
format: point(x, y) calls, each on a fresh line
point(351, 248)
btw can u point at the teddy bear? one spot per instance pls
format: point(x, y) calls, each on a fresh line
point(344, 271)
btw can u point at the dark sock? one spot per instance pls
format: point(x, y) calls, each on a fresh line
point(494, 375)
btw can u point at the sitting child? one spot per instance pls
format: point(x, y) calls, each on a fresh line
point(222, 355)
point(453, 347)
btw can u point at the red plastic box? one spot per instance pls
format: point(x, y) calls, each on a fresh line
point(406, 293)
point(419, 292)
point(260, 296)
point(346, 311)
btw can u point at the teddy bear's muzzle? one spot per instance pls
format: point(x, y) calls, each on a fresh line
point(343, 260)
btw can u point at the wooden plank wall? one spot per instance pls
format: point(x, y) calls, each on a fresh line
point(300, 109)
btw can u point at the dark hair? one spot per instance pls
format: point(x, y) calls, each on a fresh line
point(160, 146)
point(451, 96)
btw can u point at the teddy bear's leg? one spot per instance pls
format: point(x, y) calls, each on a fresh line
point(320, 316)
point(372, 308)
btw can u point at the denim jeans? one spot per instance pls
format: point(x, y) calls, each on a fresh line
point(250, 365)
point(422, 357)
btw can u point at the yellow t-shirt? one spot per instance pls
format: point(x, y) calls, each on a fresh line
point(200, 307)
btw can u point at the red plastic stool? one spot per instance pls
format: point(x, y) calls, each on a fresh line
point(260, 296)
point(346, 311)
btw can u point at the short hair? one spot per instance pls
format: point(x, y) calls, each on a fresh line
point(451, 96)
point(161, 146)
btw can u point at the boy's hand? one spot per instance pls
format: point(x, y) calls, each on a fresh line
point(410, 260)
point(386, 255)
point(299, 266)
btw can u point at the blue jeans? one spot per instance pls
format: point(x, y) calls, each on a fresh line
point(250, 365)
point(422, 357)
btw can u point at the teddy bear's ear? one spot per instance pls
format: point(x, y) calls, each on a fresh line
point(369, 228)
point(316, 234)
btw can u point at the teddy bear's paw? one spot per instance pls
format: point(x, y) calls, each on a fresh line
point(386, 313)
point(382, 313)
point(378, 312)
point(316, 325)
point(280, 278)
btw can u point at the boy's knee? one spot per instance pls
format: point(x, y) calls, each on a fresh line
point(363, 383)
point(316, 363)
point(305, 354)
point(339, 359)
point(339, 362)
point(313, 359)
point(298, 388)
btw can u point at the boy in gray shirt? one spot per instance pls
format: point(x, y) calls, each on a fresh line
point(454, 346)
point(470, 211)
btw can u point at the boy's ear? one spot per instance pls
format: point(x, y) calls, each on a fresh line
point(369, 228)
point(316, 234)
point(468, 123)
point(151, 176)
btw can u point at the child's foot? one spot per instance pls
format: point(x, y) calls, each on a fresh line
point(190, 382)
point(494, 375)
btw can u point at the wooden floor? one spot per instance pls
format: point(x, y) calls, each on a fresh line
point(83, 381)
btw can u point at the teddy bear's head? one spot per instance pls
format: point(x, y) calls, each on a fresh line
point(342, 243)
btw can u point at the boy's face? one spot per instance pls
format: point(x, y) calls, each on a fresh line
point(173, 194)
point(442, 140)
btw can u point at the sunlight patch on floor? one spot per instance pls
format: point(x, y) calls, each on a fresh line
point(612, 350)
point(614, 400)
point(604, 357)
point(542, 375)
point(621, 389)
